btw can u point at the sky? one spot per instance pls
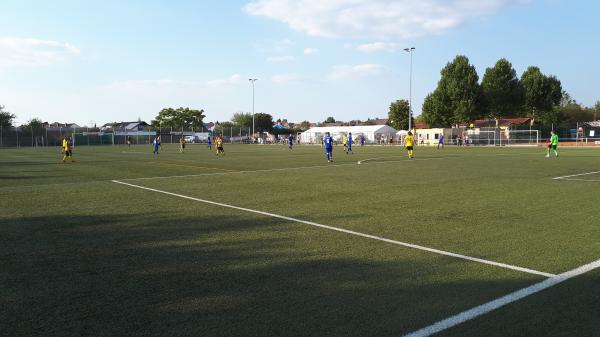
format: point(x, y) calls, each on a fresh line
point(93, 62)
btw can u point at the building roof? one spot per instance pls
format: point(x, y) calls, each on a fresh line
point(354, 129)
point(501, 122)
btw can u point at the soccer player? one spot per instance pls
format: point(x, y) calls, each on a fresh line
point(129, 141)
point(155, 145)
point(181, 144)
point(209, 141)
point(441, 141)
point(345, 142)
point(219, 143)
point(553, 145)
point(328, 143)
point(290, 141)
point(409, 142)
point(67, 150)
point(349, 144)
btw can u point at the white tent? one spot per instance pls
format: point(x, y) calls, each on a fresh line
point(371, 133)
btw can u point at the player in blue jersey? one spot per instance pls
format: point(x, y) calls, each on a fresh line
point(209, 142)
point(156, 144)
point(328, 143)
point(441, 141)
point(290, 141)
point(349, 144)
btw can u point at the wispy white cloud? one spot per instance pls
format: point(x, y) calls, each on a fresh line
point(342, 72)
point(284, 58)
point(374, 47)
point(310, 51)
point(16, 51)
point(231, 80)
point(375, 18)
point(167, 84)
point(288, 78)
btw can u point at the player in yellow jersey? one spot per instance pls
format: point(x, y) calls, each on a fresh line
point(181, 144)
point(67, 150)
point(409, 142)
point(219, 142)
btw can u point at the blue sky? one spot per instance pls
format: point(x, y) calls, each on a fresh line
point(102, 61)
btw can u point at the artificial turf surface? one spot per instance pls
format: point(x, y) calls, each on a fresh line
point(81, 255)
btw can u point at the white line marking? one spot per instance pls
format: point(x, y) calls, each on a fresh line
point(404, 244)
point(575, 175)
point(502, 301)
point(580, 179)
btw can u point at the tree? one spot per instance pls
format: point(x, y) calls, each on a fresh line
point(242, 120)
point(6, 118)
point(33, 124)
point(305, 125)
point(263, 122)
point(502, 92)
point(434, 113)
point(179, 118)
point(573, 112)
point(597, 106)
point(398, 115)
point(457, 98)
point(542, 94)
point(329, 120)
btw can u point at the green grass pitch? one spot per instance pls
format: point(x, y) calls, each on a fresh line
point(81, 255)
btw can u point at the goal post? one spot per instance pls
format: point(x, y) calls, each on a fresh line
point(523, 137)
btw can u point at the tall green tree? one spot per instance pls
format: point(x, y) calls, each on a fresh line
point(574, 112)
point(242, 120)
point(6, 118)
point(329, 120)
point(179, 118)
point(542, 96)
point(502, 92)
point(33, 124)
point(435, 112)
point(457, 98)
point(263, 122)
point(398, 115)
point(597, 106)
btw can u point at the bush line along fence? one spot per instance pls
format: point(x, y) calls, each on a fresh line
point(577, 133)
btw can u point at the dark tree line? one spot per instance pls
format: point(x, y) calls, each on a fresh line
point(460, 97)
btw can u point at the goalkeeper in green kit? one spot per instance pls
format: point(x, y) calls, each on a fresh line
point(553, 144)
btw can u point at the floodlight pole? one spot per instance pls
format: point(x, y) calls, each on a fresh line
point(410, 51)
point(252, 80)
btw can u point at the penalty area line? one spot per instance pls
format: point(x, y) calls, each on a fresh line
point(502, 301)
point(347, 231)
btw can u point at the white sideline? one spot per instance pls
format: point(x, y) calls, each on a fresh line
point(502, 301)
point(404, 244)
point(575, 175)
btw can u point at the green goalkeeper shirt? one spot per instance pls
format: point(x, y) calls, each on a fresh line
point(554, 140)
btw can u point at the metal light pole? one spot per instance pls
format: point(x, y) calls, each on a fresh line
point(410, 51)
point(252, 80)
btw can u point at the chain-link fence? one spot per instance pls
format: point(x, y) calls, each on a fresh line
point(580, 134)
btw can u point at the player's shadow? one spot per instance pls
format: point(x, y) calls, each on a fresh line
point(163, 274)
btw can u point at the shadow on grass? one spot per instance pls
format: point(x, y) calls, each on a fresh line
point(153, 275)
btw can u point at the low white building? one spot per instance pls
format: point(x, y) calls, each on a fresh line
point(371, 133)
point(432, 136)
